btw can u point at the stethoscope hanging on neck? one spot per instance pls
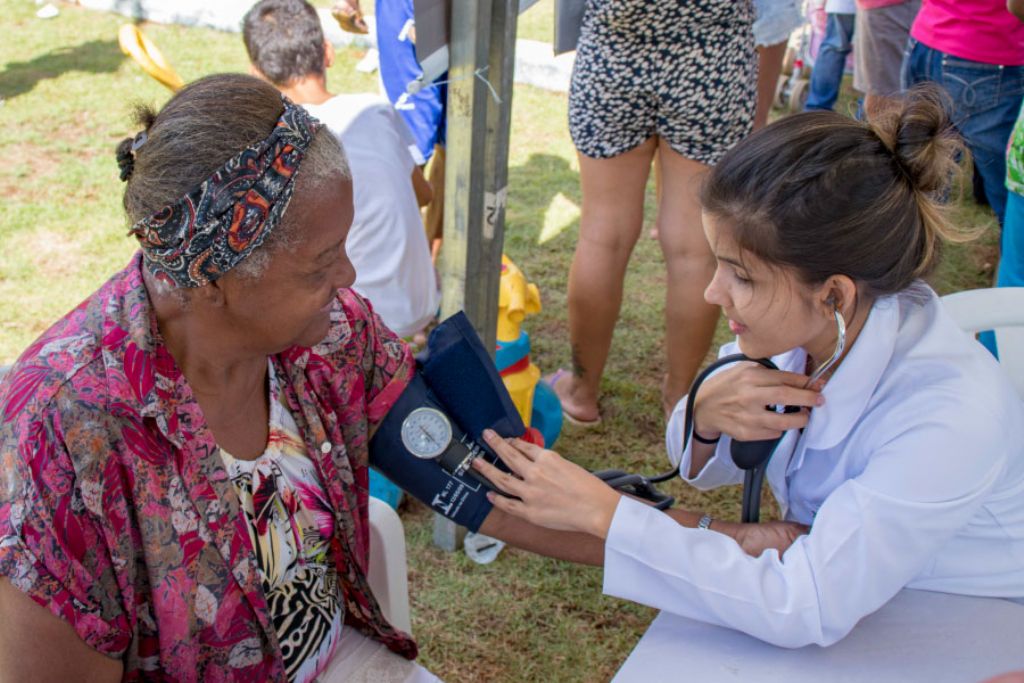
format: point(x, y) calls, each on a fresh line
point(750, 456)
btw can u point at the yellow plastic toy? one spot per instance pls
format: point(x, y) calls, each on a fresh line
point(146, 54)
point(517, 299)
point(537, 405)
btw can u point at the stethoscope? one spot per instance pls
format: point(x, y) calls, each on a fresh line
point(750, 456)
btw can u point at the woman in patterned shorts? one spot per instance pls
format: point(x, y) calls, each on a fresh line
point(676, 78)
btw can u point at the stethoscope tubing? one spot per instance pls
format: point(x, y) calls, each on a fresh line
point(751, 456)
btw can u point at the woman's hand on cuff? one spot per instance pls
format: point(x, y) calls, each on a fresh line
point(546, 489)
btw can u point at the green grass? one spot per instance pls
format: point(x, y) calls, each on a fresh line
point(538, 22)
point(67, 92)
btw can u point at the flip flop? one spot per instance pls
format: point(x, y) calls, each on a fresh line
point(349, 20)
point(551, 380)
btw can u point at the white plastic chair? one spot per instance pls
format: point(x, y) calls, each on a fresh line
point(1000, 309)
point(388, 575)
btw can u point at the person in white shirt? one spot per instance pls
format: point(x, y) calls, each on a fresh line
point(830, 63)
point(386, 244)
point(905, 462)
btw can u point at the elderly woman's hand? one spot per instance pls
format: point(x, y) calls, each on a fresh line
point(552, 492)
point(757, 538)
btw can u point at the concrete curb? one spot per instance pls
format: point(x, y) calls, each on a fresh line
point(536, 63)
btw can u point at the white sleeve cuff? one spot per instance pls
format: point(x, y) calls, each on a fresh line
point(651, 559)
point(647, 555)
point(718, 471)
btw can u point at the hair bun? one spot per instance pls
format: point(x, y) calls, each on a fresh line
point(126, 158)
point(920, 136)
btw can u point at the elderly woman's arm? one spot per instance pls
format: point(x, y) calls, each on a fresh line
point(575, 511)
point(562, 545)
point(582, 548)
point(37, 645)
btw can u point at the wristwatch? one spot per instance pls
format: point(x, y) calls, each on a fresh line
point(705, 521)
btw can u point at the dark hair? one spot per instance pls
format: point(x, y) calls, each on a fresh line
point(826, 195)
point(197, 131)
point(284, 39)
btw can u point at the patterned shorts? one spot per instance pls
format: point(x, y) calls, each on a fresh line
point(684, 70)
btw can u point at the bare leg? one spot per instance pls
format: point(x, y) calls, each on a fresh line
point(610, 224)
point(689, 320)
point(657, 193)
point(769, 68)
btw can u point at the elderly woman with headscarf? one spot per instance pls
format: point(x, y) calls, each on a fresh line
point(183, 481)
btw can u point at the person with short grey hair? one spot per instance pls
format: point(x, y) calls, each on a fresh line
point(386, 244)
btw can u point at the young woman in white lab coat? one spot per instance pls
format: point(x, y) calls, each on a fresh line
point(906, 461)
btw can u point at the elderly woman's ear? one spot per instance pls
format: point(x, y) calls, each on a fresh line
point(210, 295)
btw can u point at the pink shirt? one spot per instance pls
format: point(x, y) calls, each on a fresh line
point(978, 30)
point(875, 4)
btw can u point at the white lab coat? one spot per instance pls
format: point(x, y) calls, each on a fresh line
point(912, 475)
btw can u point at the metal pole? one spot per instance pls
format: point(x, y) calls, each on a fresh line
point(482, 58)
point(500, 72)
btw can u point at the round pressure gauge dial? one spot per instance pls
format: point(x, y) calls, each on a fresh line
point(426, 432)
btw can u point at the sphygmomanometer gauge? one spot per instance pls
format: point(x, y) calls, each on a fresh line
point(426, 433)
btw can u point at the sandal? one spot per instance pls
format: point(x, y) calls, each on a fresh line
point(349, 19)
point(551, 380)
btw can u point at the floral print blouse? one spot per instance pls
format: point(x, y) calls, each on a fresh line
point(291, 525)
point(116, 510)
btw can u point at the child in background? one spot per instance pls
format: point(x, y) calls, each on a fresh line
point(386, 244)
point(827, 76)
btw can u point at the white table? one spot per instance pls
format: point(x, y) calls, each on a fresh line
point(918, 636)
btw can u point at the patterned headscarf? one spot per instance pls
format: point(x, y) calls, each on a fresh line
point(216, 226)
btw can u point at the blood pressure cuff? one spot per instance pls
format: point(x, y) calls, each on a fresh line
point(457, 377)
